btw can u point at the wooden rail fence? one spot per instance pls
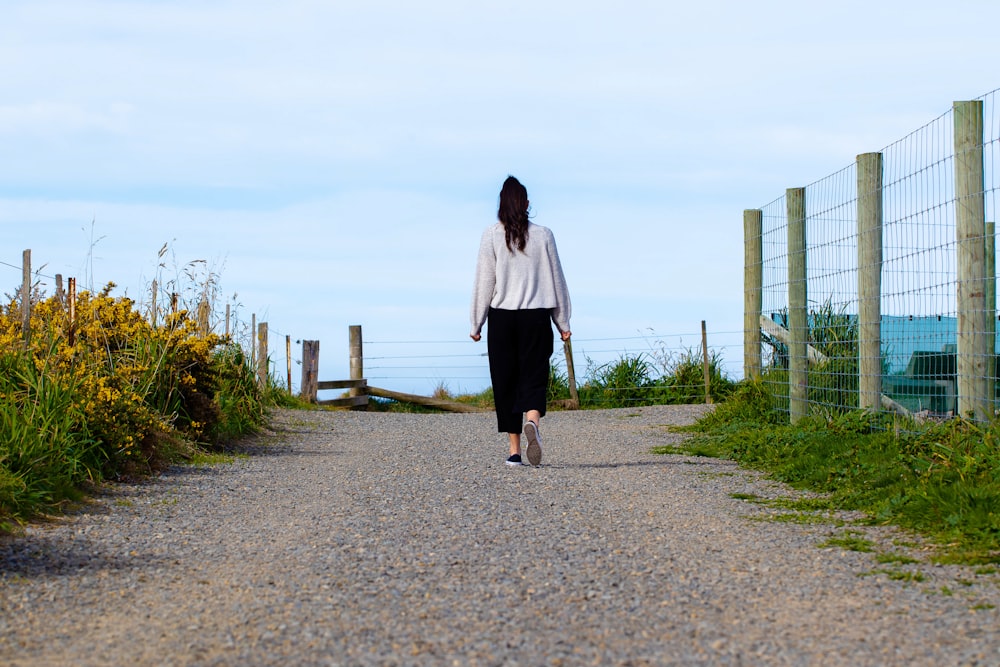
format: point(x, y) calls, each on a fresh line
point(357, 385)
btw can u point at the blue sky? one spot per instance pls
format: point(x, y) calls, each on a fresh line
point(334, 163)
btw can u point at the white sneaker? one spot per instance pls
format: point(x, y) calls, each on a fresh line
point(534, 443)
point(514, 460)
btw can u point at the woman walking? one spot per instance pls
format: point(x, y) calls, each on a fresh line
point(519, 289)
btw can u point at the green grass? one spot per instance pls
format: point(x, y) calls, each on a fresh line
point(850, 541)
point(812, 505)
point(46, 452)
point(701, 449)
point(801, 511)
point(658, 378)
point(906, 575)
point(941, 481)
point(242, 401)
point(803, 518)
point(895, 557)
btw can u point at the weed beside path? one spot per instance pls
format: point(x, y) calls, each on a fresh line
point(380, 538)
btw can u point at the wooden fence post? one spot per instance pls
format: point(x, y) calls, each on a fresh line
point(71, 298)
point(227, 320)
point(60, 293)
point(175, 302)
point(798, 322)
point(970, 213)
point(753, 277)
point(869, 168)
point(153, 315)
point(262, 370)
point(288, 360)
point(706, 367)
point(991, 308)
point(26, 297)
point(357, 360)
point(204, 310)
point(310, 370)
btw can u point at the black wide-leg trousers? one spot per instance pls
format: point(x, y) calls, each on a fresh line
point(519, 343)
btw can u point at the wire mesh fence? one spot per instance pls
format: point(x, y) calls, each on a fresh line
point(934, 271)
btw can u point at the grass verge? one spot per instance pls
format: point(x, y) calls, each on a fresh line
point(939, 480)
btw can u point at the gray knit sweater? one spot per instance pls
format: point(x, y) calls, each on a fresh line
point(519, 280)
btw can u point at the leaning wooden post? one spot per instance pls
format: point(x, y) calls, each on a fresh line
point(991, 308)
point(970, 218)
point(574, 395)
point(706, 367)
point(310, 370)
point(869, 167)
point(798, 323)
point(71, 298)
point(262, 353)
point(357, 361)
point(288, 360)
point(753, 278)
point(26, 297)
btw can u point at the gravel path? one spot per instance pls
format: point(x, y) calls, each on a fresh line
point(351, 538)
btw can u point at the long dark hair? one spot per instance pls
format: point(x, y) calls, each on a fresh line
point(513, 213)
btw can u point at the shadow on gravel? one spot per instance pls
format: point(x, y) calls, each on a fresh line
point(41, 555)
point(284, 450)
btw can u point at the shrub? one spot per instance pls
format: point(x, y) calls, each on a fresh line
point(617, 384)
point(46, 450)
point(683, 379)
point(109, 395)
point(238, 395)
point(631, 380)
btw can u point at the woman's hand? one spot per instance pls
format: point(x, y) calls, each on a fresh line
point(565, 335)
point(475, 337)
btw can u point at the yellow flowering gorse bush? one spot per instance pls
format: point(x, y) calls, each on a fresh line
point(134, 382)
point(108, 394)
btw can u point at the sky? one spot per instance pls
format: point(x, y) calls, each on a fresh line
point(327, 163)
